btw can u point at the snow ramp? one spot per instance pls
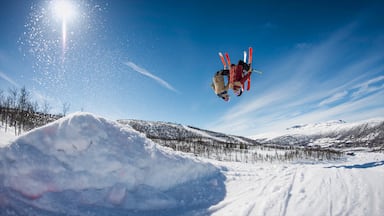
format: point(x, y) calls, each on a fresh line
point(87, 165)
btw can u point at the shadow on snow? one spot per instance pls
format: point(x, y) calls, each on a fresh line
point(360, 166)
point(193, 197)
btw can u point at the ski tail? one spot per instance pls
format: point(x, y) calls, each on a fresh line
point(245, 56)
point(222, 60)
point(250, 52)
point(228, 63)
point(228, 59)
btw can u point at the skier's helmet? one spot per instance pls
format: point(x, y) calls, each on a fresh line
point(238, 90)
point(224, 95)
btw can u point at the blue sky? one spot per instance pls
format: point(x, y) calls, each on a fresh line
point(322, 60)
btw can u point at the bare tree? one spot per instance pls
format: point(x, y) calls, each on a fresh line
point(2, 106)
point(12, 98)
point(22, 108)
point(66, 107)
point(46, 107)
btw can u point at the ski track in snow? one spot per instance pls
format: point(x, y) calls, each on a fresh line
point(353, 188)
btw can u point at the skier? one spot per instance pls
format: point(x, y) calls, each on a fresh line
point(219, 86)
point(238, 75)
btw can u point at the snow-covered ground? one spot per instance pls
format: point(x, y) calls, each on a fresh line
point(6, 135)
point(355, 187)
point(87, 165)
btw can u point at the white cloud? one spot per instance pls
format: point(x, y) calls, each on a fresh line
point(8, 79)
point(269, 25)
point(144, 72)
point(297, 90)
point(347, 111)
point(333, 98)
point(367, 87)
point(303, 45)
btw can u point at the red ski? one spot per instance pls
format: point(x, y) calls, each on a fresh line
point(228, 64)
point(228, 60)
point(250, 55)
point(250, 67)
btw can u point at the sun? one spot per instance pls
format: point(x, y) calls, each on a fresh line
point(64, 10)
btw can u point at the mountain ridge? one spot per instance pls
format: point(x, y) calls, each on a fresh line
point(333, 134)
point(174, 131)
point(336, 134)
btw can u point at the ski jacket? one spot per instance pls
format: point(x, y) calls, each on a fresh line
point(236, 76)
point(218, 84)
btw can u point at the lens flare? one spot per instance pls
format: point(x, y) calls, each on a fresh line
point(63, 42)
point(64, 11)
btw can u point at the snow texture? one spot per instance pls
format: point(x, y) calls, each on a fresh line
point(354, 187)
point(87, 165)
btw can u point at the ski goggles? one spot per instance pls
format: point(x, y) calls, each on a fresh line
point(222, 94)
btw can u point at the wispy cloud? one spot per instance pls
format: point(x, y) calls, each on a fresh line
point(144, 72)
point(8, 79)
point(333, 98)
point(310, 85)
point(270, 25)
point(303, 45)
point(369, 86)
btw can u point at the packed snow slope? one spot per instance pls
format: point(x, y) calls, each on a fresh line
point(87, 165)
point(84, 164)
point(354, 187)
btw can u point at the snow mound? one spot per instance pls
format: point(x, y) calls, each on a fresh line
point(83, 163)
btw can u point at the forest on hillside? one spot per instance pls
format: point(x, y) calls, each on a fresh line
point(19, 112)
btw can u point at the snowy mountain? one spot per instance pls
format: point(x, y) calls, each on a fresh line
point(166, 131)
point(334, 134)
point(223, 147)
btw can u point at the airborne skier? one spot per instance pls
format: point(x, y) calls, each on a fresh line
point(237, 75)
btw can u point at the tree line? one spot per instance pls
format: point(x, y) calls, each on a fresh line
point(19, 112)
point(241, 152)
point(228, 148)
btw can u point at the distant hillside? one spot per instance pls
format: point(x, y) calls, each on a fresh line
point(167, 131)
point(333, 134)
point(225, 147)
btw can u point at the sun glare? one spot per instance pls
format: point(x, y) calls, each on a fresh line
point(64, 10)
